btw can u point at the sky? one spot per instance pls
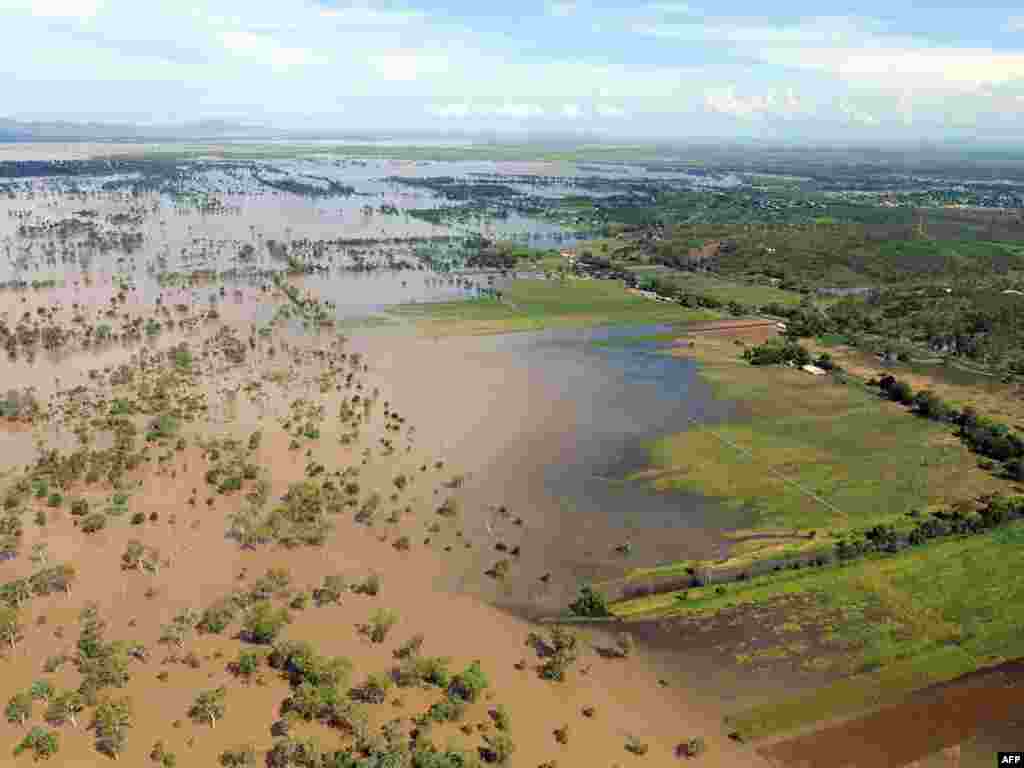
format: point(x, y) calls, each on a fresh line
point(788, 70)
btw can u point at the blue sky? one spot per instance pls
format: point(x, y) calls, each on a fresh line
point(785, 70)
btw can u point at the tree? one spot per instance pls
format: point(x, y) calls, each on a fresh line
point(65, 708)
point(381, 623)
point(469, 684)
point(209, 705)
point(131, 560)
point(241, 757)
point(563, 653)
point(113, 720)
point(264, 623)
point(43, 743)
point(19, 708)
point(589, 603)
point(41, 690)
point(10, 627)
point(40, 554)
point(180, 628)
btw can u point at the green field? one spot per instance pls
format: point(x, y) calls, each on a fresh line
point(797, 435)
point(898, 622)
point(529, 305)
point(749, 294)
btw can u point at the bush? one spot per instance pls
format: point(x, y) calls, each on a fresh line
point(469, 684)
point(499, 748)
point(637, 747)
point(370, 586)
point(381, 623)
point(264, 623)
point(217, 617)
point(43, 743)
point(94, 522)
point(80, 507)
point(589, 603)
point(501, 718)
point(447, 711)
point(240, 757)
point(693, 747)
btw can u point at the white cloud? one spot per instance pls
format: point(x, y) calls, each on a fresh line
point(571, 111)
point(786, 104)
point(265, 48)
point(1015, 24)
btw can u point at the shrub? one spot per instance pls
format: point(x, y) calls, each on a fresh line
point(501, 718)
point(370, 586)
point(240, 757)
point(410, 647)
point(331, 591)
point(43, 743)
point(447, 711)
point(94, 522)
point(80, 507)
point(634, 745)
point(381, 623)
point(692, 747)
point(589, 603)
point(469, 684)
point(264, 623)
point(499, 748)
point(217, 617)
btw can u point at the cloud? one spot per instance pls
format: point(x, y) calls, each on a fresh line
point(265, 48)
point(773, 103)
point(563, 9)
point(1015, 24)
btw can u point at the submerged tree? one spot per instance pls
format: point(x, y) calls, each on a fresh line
point(114, 718)
point(209, 705)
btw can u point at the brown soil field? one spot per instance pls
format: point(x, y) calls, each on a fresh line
point(927, 729)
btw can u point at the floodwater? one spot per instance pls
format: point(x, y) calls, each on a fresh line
point(540, 425)
point(546, 424)
point(549, 424)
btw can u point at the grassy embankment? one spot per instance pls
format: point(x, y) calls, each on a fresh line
point(892, 624)
point(529, 305)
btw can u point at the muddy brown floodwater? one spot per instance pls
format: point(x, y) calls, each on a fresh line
point(540, 425)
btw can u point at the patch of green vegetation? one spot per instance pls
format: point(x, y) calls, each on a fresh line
point(748, 294)
point(529, 305)
point(814, 453)
point(909, 620)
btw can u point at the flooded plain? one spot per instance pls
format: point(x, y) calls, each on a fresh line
point(187, 406)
